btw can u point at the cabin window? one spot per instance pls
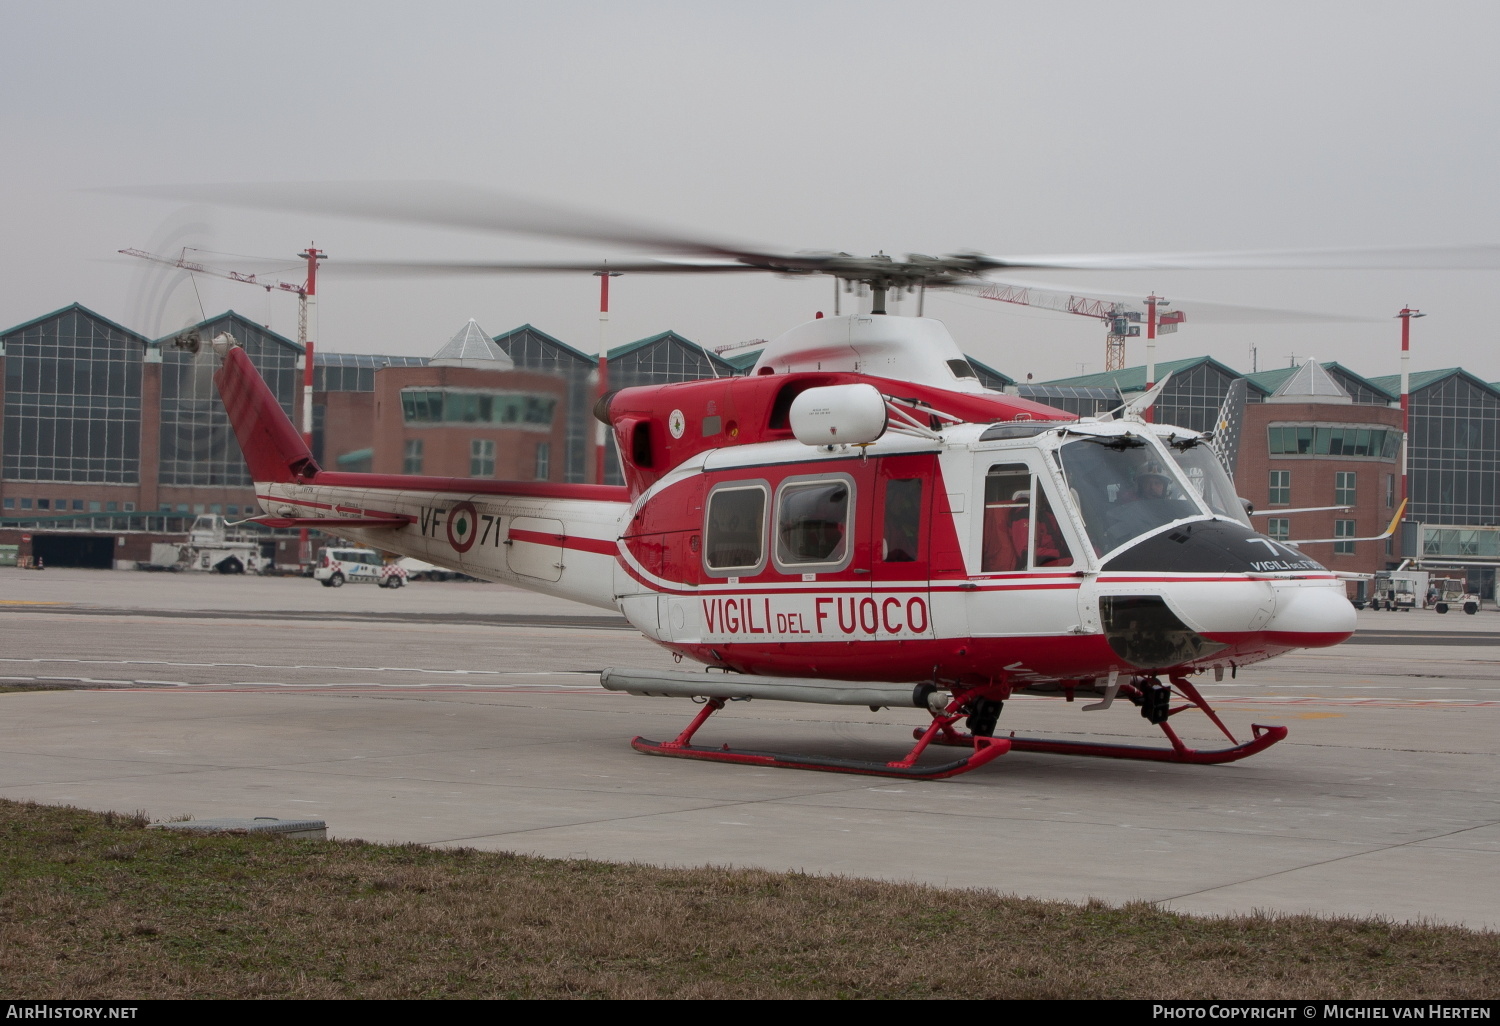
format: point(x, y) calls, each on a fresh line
point(812, 523)
point(961, 369)
point(902, 537)
point(1021, 531)
point(734, 529)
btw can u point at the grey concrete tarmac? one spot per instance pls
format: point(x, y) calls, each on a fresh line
point(469, 714)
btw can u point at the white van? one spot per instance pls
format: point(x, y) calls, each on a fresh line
point(335, 566)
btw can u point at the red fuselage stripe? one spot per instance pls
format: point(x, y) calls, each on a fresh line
point(472, 486)
point(605, 548)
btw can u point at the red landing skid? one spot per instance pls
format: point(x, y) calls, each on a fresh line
point(982, 750)
point(1264, 737)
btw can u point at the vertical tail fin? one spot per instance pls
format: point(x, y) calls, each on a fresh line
point(272, 447)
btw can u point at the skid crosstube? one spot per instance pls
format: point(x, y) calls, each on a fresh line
point(984, 750)
point(1265, 737)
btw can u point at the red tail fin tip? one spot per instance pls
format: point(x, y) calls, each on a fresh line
point(273, 449)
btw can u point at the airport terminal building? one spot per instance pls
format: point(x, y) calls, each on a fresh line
point(110, 439)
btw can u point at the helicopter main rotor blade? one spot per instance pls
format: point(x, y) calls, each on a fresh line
point(1066, 300)
point(446, 205)
point(1374, 258)
point(434, 269)
point(475, 208)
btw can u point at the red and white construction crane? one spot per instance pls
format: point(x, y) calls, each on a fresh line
point(307, 308)
point(1120, 321)
point(307, 302)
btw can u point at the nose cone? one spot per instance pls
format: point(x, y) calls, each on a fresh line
point(1310, 617)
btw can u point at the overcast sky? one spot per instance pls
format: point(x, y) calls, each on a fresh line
point(999, 127)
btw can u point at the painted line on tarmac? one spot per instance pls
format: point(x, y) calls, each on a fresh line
point(97, 683)
point(1359, 687)
point(294, 666)
point(1468, 638)
point(1392, 703)
point(393, 684)
point(251, 688)
point(557, 620)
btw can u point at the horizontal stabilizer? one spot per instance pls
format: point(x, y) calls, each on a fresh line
point(686, 684)
point(329, 523)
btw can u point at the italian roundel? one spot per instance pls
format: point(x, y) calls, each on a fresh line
point(463, 522)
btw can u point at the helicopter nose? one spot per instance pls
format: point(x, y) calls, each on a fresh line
point(1310, 617)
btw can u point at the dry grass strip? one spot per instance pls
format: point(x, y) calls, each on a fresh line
point(93, 905)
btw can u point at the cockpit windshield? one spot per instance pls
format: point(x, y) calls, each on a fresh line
point(1203, 469)
point(1123, 489)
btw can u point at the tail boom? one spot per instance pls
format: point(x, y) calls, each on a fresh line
point(562, 546)
point(555, 538)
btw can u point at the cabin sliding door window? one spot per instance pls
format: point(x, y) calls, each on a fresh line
point(1020, 529)
point(812, 523)
point(901, 537)
point(735, 529)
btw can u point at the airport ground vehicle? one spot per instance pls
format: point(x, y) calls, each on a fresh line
point(1453, 593)
point(421, 570)
point(212, 546)
point(336, 567)
point(1402, 590)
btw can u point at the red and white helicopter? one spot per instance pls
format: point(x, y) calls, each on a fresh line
point(856, 522)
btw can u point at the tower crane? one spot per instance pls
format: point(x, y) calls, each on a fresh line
point(1120, 321)
point(307, 302)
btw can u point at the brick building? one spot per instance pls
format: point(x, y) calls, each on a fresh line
point(111, 440)
point(468, 413)
point(1309, 444)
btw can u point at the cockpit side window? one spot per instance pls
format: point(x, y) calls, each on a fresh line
point(1203, 469)
point(734, 529)
point(812, 523)
point(1020, 530)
